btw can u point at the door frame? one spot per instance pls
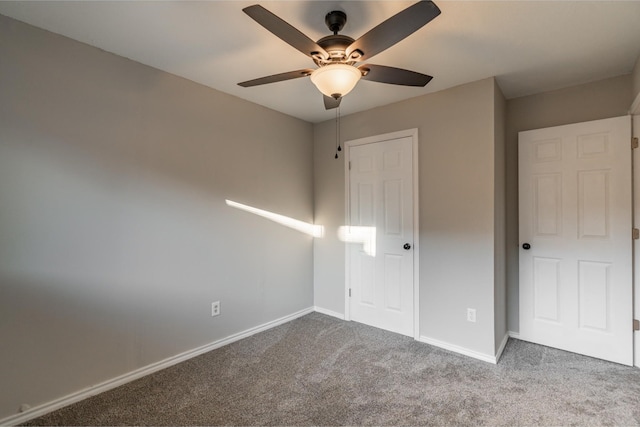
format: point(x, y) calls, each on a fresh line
point(634, 111)
point(413, 134)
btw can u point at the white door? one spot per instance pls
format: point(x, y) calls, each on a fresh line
point(380, 229)
point(575, 214)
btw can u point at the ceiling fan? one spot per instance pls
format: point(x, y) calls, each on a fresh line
point(336, 55)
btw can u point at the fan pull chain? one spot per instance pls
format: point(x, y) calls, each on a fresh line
point(339, 136)
point(336, 156)
point(338, 147)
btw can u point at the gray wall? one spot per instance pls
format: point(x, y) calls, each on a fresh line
point(592, 101)
point(635, 76)
point(114, 233)
point(457, 185)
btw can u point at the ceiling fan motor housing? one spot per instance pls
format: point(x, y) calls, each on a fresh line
point(335, 45)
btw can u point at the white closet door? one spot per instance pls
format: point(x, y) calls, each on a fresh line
point(575, 213)
point(381, 221)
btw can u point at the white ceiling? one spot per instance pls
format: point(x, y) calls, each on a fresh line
point(530, 46)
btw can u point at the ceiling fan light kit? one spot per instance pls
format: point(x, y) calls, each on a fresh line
point(336, 55)
point(336, 80)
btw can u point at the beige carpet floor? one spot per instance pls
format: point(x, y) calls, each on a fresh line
point(318, 370)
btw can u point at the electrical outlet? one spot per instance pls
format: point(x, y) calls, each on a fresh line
point(471, 314)
point(215, 308)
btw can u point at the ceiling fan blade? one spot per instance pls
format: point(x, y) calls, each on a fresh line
point(285, 31)
point(393, 30)
point(392, 75)
point(331, 103)
point(277, 78)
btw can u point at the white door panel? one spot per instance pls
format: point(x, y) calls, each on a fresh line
point(380, 224)
point(575, 212)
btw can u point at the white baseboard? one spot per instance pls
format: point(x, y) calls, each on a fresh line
point(460, 350)
point(329, 312)
point(515, 335)
point(53, 405)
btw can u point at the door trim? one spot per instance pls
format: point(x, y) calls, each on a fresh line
point(413, 134)
point(635, 208)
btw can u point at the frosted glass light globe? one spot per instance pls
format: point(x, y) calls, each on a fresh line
point(336, 80)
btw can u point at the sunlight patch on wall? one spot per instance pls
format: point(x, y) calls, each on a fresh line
point(304, 227)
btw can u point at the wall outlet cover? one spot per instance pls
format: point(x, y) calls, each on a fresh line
point(215, 308)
